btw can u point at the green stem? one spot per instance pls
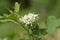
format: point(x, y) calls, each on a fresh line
point(28, 31)
point(22, 26)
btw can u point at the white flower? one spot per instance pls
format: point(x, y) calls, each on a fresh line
point(30, 18)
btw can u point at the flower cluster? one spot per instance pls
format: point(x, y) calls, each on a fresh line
point(30, 18)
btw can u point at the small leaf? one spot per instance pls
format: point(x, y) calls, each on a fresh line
point(35, 29)
point(5, 16)
point(10, 11)
point(7, 20)
point(17, 7)
point(13, 17)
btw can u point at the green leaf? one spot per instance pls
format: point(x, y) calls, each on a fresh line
point(17, 7)
point(7, 20)
point(10, 11)
point(35, 29)
point(5, 16)
point(51, 24)
point(13, 17)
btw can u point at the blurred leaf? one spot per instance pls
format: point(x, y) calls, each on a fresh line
point(8, 20)
point(14, 15)
point(51, 24)
point(5, 16)
point(10, 11)
point(35, 29)
point(17, 7)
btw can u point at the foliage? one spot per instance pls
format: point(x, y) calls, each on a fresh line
point(52, 24)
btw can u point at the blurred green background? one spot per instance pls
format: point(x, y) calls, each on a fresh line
point(51, 7)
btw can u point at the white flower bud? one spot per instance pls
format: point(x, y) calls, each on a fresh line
point(29, 19)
